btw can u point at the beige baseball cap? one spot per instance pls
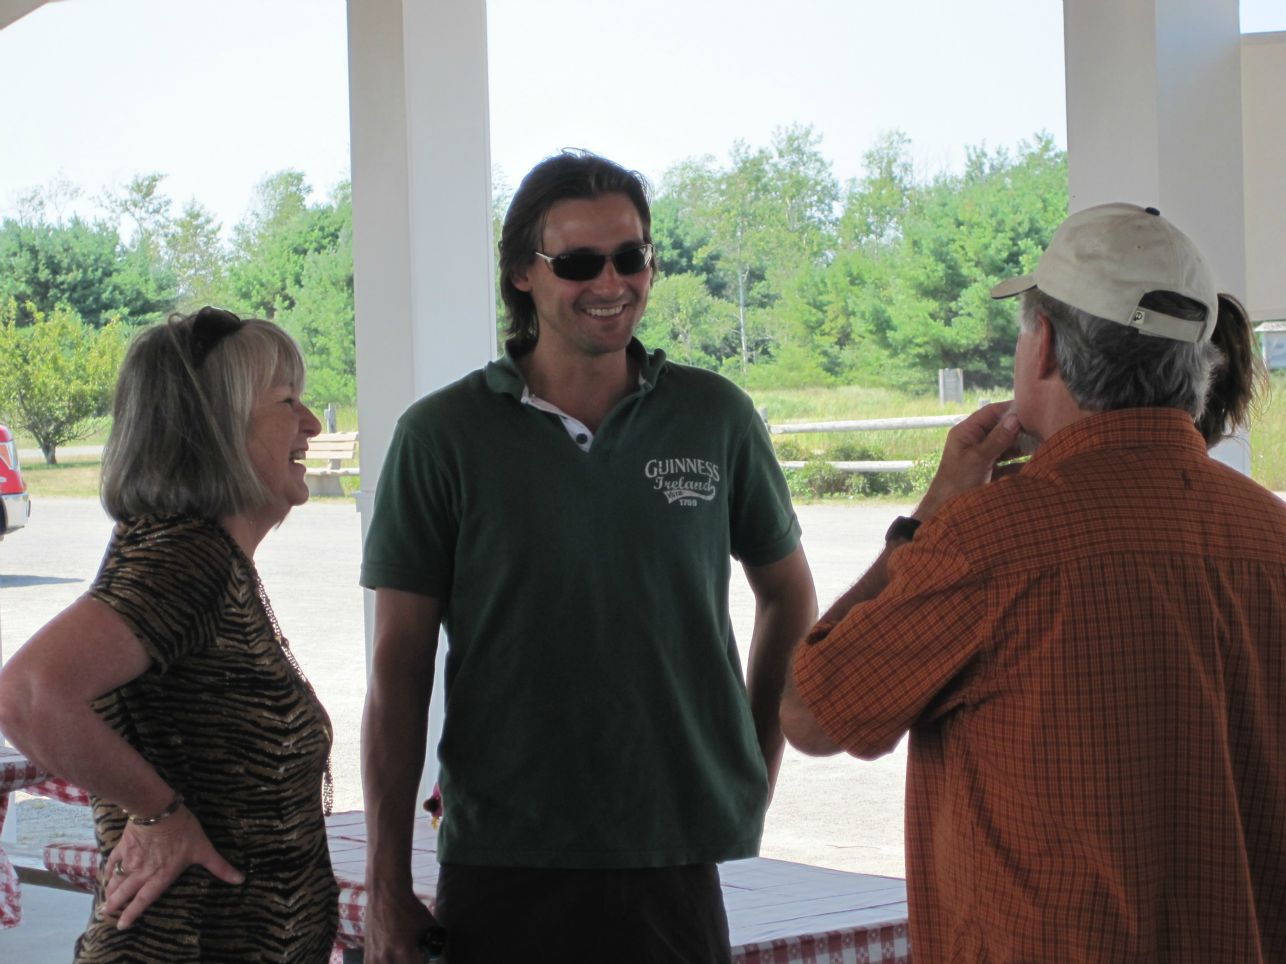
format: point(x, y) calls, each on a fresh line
point(1106, 258)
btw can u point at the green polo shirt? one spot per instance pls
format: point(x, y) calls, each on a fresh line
point(596, 714)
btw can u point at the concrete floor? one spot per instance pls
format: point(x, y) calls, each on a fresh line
point(835, 812)
point(52, 920)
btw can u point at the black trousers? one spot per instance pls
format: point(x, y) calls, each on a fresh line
point(665, 915)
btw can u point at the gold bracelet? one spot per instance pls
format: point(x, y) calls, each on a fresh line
point(169, 811)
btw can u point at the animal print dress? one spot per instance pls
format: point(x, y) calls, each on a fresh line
point(227, 721)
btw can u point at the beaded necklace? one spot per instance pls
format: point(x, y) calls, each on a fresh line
point(328, 780)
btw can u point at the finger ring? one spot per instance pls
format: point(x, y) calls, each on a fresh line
point(120, 870)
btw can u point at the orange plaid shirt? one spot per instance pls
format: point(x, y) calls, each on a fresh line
point(1091, 659)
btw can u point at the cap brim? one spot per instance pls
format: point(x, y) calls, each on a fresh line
point(1014, 286)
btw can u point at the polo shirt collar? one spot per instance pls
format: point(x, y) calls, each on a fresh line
point(504, 377)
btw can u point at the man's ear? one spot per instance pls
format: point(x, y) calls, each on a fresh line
point(1046, 356)
point(518, 278)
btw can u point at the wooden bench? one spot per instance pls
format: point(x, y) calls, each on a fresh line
point(334, 449)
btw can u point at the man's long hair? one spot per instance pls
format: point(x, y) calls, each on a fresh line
point(571, 174)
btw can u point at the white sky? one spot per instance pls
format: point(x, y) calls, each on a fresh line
point(217, 94)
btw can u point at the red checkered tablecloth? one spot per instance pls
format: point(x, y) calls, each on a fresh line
point(19, 773)
point(16, 772)
point(781, 912)
point(346, 835)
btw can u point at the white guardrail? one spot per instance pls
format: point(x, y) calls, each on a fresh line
point(865, 425)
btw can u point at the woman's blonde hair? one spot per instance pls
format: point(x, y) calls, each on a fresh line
point(181, 415)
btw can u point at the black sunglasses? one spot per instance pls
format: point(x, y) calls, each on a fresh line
point(209, 327)
point(585, 265)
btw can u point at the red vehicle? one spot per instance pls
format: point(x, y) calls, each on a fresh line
point(15, 507)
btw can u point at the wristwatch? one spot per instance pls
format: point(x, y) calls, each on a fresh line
point(903, 529)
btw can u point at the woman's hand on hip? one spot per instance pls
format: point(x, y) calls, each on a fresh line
point(148, 859)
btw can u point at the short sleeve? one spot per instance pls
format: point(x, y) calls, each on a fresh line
point(410, 544)
point(167, 579)
point(762, 519)
point(891, 660)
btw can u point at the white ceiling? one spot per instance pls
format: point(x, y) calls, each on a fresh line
point(11, 10)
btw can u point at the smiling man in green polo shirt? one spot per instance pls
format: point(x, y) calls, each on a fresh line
point(569, 514)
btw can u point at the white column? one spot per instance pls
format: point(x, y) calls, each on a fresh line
point(422, 261)
point(448, 141)
point(385, 322)
point(1263, 62)
point(1154, 117)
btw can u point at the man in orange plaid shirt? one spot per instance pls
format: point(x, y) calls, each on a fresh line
point(1090, 652)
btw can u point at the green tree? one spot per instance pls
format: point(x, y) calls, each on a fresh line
point(961, 235)
point(197, 259)
point(875, 204)
point(688, 322)
point(271, 247)
point(58, 373)
point(843, 312)
point(844, 305)
point(142, 203)
point(321, 321)
point(84, 264)
point(292, 262)
point(81, 265)
point(143, 259)
point(807, 193)
point(908, 288)
point(770, 214)
point(682, 240)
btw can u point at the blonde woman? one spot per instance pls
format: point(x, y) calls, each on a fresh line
point(167, 690)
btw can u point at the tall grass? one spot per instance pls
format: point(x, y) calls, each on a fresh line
point(70, 478)
point(1268, 437)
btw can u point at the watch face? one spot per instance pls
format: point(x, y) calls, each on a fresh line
point(902, 529)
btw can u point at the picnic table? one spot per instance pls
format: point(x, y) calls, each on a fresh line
point(19, 773)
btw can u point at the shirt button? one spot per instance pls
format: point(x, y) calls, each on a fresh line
point(582, 438)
